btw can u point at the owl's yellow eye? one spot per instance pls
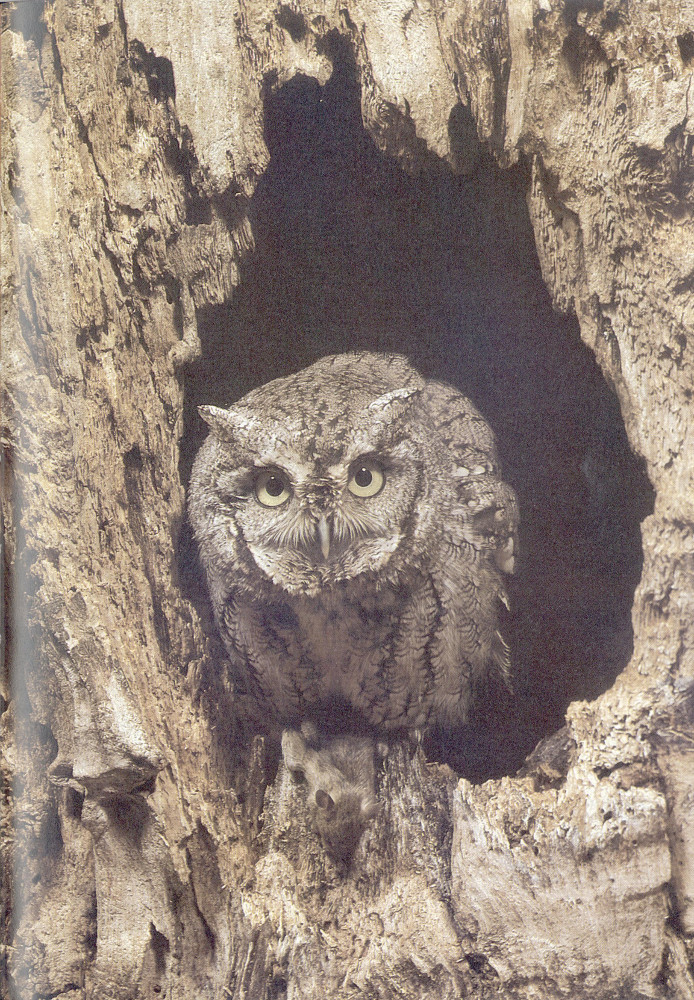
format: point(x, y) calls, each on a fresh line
point(272, 488)
point(366, 478)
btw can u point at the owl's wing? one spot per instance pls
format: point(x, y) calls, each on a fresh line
point(480, 530)
point(461, 427)
point(486, 506)
point(491, 517)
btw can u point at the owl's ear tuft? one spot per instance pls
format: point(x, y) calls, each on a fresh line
point(226, 425)
point(405, 395)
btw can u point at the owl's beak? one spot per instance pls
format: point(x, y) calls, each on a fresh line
point(324, 535)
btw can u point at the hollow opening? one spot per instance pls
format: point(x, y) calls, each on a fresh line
point(353, 252)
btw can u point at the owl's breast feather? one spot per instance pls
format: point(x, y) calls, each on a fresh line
point(342, 632)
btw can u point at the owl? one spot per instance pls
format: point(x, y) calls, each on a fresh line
point(356, 535)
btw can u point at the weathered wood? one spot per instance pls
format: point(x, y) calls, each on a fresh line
point(146, 854)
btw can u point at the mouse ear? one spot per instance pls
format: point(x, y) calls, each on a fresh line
point(324, 800)
point(228, 425)
point(369, 808)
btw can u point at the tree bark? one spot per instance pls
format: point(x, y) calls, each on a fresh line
point(143, 852)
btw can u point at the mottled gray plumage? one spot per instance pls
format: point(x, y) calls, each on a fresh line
point(355, 533)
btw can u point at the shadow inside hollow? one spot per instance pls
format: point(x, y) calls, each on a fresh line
point(352, 252)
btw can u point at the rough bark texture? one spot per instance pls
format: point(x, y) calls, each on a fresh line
point(136, 860)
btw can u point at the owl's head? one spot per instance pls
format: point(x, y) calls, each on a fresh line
point(315, 478)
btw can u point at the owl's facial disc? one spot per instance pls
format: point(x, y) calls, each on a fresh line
point(317, 523)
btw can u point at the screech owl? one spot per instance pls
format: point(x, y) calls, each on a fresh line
point(355, 534)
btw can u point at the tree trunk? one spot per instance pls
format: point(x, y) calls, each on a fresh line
point(151, 844)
